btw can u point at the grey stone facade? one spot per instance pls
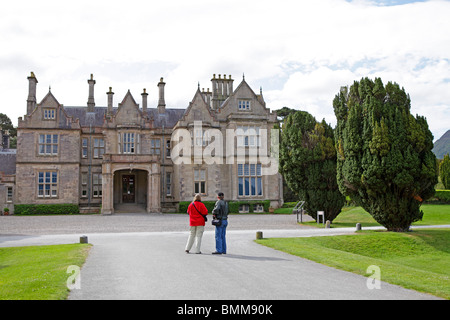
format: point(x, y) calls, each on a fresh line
point(106, 156)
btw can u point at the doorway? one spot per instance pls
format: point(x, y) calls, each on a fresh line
point(129, 188)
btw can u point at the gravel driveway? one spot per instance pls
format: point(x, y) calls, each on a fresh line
point(133, 222)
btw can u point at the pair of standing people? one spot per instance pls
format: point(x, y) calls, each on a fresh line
point(197, 217)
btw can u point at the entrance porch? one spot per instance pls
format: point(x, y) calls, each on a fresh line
point(131, 180)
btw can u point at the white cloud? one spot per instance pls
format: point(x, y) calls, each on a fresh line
point(301, 52)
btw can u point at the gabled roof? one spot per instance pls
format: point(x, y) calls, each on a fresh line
point(243, 84)
point(198, 98)
point(127, 97)
point(49, 96)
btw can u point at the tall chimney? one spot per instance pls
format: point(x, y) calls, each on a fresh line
point(161, 102)
point(222, 89)
point(144, 101)
point(110, 101)
point(91, 101)
point(31, 101)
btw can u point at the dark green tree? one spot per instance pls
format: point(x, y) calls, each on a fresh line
point(444, 171)
point(6, 124)
point(308, 164)
point(385, 163)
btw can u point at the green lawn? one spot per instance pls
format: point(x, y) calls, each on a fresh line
point(434, 214)
point(418, 260)
point(38, 272)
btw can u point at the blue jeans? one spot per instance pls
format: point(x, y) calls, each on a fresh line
point(221, 243)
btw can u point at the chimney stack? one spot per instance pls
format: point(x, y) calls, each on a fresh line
point(161, 102)
point(144, 101)
point(31, 101)
point(91, 101)
point(221, 90)
point(110, 101)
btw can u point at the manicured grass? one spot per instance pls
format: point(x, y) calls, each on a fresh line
point(433, 214)
point(418, 260)
point(38, 272)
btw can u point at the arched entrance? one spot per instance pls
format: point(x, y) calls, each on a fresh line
point(134, 184)
point(130, 191)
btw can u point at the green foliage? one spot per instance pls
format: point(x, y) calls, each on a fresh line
point(233, 206)
point(440, 196)
point(6, 124)
point(28, 209)
point(444, 171)
point(308, 164)
point(385, 163)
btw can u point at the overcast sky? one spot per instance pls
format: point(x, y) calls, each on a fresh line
point(299, 52)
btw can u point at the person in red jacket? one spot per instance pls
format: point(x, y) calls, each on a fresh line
point(197, 217)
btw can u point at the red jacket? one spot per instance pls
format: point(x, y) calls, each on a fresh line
point(195, 219)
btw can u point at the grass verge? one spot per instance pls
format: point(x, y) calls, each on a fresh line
point(433, 214)
point(38, 272)
point(418, 260)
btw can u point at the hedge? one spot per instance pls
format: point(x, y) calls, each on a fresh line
point(233, 206)
point(28, 209)
point(440, 196)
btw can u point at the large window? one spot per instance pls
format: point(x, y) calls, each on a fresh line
point(201, 137)
point(47, 184)
point(84, 185)
point(168, 184)
point(48, 144)
point(250, 180)
point(155, 147)
point(248, 136)
point(200, 181)
point(99, 148)
point(84, 148)
point(97, 185)
point(128, 143)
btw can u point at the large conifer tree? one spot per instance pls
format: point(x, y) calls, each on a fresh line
point(308, 164)
point(444, 171)
point(385, 163)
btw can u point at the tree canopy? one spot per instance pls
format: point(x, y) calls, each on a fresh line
point(384, 158)
point(308, 163)
point(444, 171)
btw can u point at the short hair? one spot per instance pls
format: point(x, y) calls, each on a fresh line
point(198, 197)
point(220, 194)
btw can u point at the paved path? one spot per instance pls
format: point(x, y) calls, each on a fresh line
point(132, 264)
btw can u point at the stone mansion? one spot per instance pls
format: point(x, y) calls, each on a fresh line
point(108, 157)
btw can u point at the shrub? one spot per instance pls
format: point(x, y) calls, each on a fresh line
point(233, 206)
point(29, 209)
point(440, 196)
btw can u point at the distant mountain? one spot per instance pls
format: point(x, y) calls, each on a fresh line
point(442, 146)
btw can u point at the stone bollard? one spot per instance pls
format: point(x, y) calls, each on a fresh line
point(328, 224)
point(259, 235)
point(358, 226)
point(83, 239)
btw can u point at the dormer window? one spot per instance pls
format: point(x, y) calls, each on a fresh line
point(49, 114)
point(243, 105)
